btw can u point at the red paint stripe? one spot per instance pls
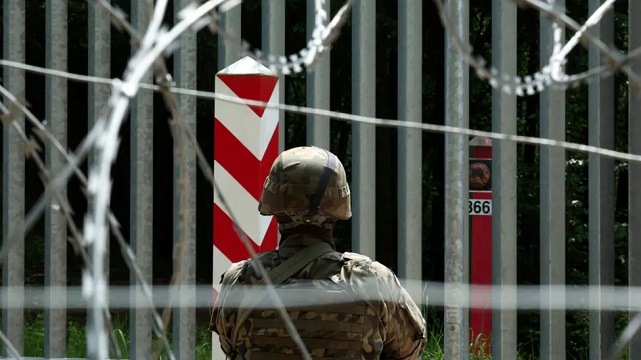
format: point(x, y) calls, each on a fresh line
point(229, 243)
point(232, 155)
point(257, 87)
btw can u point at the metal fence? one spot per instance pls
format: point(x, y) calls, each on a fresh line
point(105, 98)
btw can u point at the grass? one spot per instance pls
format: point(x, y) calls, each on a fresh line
point(77, 340)
point(77, 343)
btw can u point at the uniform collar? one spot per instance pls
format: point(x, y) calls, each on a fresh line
point(302, 239)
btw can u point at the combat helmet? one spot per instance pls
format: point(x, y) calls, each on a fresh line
point(307, 184)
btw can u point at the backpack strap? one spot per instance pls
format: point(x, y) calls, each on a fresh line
point(278, 275)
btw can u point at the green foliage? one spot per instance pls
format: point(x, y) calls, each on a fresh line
point(77, 338)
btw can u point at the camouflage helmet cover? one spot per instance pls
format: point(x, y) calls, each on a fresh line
point(306, 182)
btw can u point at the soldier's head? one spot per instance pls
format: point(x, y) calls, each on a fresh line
point(306, 186)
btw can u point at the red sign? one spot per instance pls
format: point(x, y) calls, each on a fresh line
point(480, 210)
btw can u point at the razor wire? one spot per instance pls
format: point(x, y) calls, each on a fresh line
point(77, 242)
point(128, 89)
point(31, 149)
point(550, 74)
point(99, 176)
point(347, 117)
point(100, 250)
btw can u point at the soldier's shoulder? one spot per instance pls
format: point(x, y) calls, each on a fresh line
point(233, 272)
point(355, 257)
point(242, 270)
point(361, 260)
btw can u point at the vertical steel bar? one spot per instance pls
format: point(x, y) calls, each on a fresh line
point(601, 190)
point(552, 210)
point(13, 179)
point(184, 315)
point(634, 190)
point(318, 78)
point(456, 189)
point(55, 340)
point(141, 199)
point(364, 135)
point(273, 39)
point(99, 62)
point(504, 175)
point(231, 21)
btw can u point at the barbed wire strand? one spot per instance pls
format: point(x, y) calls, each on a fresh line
point(553, 73)
point(130, 28)
point(7, 118)
point(76, 240)
point(100, 186)
point(614, 57)
point(137, 67)
point(592, 21)
point(557, 50)
point(172, 105)
point(531, 84)
point(346, 117)
point(320, 41)
point(31, 149)
point(130, 259)
point(626, 336)
point(11, 350)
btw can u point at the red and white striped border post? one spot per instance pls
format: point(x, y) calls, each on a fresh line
point(245, 146)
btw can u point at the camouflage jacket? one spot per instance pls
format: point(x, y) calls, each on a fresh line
point(394, 326)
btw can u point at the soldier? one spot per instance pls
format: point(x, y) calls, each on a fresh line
point(343, 305)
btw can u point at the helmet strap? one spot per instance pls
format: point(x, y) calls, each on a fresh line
point(314, 203)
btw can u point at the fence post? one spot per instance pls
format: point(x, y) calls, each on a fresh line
point(457, 93)
point(13, 179)
point(601, 119)
point(552, 209)
point(184, 321)
point(318, 90)
point(504, 174)
point(410, 149)
point(273, 40)
point(364, 135)
point(634, 174)
point(242, 161)
point(55, 221)
point(480, 210)
point(141, 199)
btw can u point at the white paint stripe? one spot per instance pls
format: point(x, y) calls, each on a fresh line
point(221, 264)
point(243, 122)
point(243, 205)
point(269, 124)
point(216, 352)
point(246, 66)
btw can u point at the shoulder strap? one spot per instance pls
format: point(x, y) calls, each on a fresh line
point(296, 263)
point(278, 275)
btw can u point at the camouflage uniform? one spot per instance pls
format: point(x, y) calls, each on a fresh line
point(343, 305)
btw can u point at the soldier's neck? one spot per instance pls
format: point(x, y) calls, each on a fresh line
point(310, 230)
